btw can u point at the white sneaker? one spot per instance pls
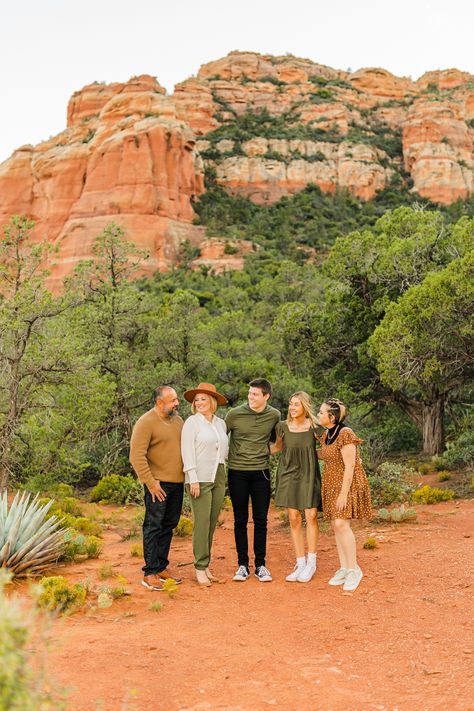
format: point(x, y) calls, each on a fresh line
point(353, 578)
point(307, 572)
point(263, 574)
point(293, 577)
point(339, 577)
point(241, 574)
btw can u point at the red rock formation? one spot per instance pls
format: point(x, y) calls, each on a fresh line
point(129, 152)
point(220, 256)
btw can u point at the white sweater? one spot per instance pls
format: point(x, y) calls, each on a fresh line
point(204, 445)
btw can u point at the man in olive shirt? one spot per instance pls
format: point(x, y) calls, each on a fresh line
point(250, 428)
point(155, 454)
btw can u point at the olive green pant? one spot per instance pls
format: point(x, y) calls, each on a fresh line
point(206, 508)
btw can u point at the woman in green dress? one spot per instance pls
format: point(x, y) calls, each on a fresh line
point(298, 486)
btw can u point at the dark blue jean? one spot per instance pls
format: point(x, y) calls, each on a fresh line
point(161, 517)
point(253, 485)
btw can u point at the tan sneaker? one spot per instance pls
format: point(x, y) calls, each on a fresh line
point(152, 582)
point(166, 575)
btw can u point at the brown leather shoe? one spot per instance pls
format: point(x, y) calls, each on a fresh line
point(152, 582)
point(166, 575)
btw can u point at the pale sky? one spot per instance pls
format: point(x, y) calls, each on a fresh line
point(51, 48)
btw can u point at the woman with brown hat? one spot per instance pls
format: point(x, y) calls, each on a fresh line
point(204, 449)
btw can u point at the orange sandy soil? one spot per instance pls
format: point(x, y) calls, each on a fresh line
point(402, 641)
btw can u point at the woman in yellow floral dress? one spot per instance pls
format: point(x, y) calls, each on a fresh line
point(345, 489)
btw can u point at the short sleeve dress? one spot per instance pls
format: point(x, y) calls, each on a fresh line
point(358, 499)
point(298, 481)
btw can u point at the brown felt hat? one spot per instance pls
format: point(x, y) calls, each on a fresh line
point(207, 389)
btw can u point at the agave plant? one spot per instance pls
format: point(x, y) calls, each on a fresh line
point(29, 542)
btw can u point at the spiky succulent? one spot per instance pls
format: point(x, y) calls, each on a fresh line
point(29, 542)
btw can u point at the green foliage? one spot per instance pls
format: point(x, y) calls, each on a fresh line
point(78, 547)
point(155, 606)
point(136, 550)
point(391, 482)
point(444, 476)
point(397, 514)
point(106, 571)
point(432, 495)
point(170, 587)
point(21, 688)
point(184, 527)
point(425, 468)
point(117, 489)
point(59, 595)
point(460, 453)
point(370, 543)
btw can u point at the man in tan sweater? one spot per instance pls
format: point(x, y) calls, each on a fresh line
point(155, 454)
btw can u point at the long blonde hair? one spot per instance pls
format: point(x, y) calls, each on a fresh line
point(307, 405)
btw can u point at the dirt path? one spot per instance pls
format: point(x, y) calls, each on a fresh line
point(402, 641)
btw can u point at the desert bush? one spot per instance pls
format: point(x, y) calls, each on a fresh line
point(461, 452)
point(29, 541)
point(170, 587)
point(77, 546)
point(391, 482)
point(117, 489)
point(21, 689)
point(444, 475)
point(59, 595)
point(432, 495)
point(155, 606)
point(184, 527)
point(136, 550)
point(370, 543)
point(425, 468)
point(106, 571)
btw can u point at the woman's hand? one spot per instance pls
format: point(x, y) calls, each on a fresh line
point(341, 502)
point(194, 490)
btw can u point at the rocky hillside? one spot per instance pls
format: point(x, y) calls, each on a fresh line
point(266, 127)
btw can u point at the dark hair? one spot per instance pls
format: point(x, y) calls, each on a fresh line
point(264, 385)
point(158, 392)
point(336, 408)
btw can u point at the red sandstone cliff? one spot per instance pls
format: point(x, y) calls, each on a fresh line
point(133, 154)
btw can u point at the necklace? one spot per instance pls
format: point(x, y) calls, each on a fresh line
point(331, 434)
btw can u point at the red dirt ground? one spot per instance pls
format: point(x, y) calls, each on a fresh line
point(402, 641)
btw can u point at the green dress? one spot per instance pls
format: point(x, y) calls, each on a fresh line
point(298, 483)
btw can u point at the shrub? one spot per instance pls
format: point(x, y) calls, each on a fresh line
point(77, 546)
point(117, 489)
point(20, 687)
point(432, 495)
point(93, 546)
point(391, 482)
point(59, 595)
point(106, 571)
point(155, 606)
point(370, 543)
point(136, 550)
point(444, 476)
point(29, 541)
point(170, 587)
point(461, 452)
point(184, 527)
point(425, 468)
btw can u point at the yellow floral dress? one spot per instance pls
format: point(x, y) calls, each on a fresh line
point(358, 499)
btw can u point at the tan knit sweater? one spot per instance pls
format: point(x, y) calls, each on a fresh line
point(155, 448)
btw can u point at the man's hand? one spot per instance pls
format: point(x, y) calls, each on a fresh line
point(156, 491)
point(195, 490)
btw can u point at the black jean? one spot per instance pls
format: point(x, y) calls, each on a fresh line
point(161, 517)
point(256, 486)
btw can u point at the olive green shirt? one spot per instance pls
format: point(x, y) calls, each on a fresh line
point(249, 436)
